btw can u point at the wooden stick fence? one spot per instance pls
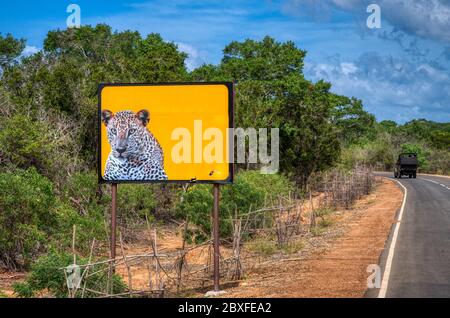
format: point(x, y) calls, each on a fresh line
point(175, 271)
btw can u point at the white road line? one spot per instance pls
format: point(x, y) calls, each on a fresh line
point(387, 269)
point(441, 184)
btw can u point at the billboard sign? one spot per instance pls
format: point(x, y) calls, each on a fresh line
point(174, 132)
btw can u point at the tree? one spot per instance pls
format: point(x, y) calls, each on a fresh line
point(352, 121)
point(309, 140)
point(10, 50)
point(28, 216)
point(271, 92)
point(441, 139)
point(419, 150)
point(25, 143)
point(264, 60)
point(64, 78)
point(388, 125)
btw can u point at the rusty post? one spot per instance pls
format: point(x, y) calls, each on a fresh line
point(215, 218)
point(113, 224)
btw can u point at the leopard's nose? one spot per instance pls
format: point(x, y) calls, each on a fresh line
point(121, 150)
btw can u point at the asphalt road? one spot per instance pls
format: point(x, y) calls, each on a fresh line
point(421, 260)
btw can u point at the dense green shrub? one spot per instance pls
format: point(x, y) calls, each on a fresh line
point(89, 226)
point(25, 142)
point(422, 154)
point(196, 204)
point(250, 191)
point(83, 187)
point(135, 202)
point(83, 205)
point(88, 206)
point(439, 162)
point(271, 185)
point(27, 216)
point(47, 274)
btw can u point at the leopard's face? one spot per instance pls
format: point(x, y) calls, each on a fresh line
point(126, 132)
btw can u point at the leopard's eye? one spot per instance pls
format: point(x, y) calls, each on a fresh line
point(131, 131)
point(113, 131)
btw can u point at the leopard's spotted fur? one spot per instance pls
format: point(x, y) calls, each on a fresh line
point(135, 152)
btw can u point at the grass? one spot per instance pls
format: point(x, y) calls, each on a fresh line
point(317, 231)
point(263, 247)
point(322, 225)
point(266, 247)
point(323, 212)
point(325, 223)
point(293, 247)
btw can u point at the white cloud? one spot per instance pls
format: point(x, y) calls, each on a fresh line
point(194, 59)
point(348, 68)
point(390, 88)
point(30, 50)
point(428, 19)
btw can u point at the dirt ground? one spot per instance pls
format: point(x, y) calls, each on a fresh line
point(332, 264)
point(7, 279)
point(338, 269)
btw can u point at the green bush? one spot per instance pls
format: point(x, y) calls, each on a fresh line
point(82, 205)
point(27, 216)
point(439, 162)
point(85, 207)
point(263, 247)
point(250, 191)
point(421, 154)
point(82, 187)
point(135, 201)
point(271, 185)
point(196, 204)
point(47, 274)
point(88, 227)
point(25, 142)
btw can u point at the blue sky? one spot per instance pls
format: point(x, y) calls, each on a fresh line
point(400, 71)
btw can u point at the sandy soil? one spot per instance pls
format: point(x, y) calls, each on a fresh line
point(7, 279)
point(330, 265)
point(338, 270)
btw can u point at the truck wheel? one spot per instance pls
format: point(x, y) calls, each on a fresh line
point(414, 175)
point(410, 176)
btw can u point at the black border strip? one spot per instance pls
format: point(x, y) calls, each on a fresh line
point(230, 87)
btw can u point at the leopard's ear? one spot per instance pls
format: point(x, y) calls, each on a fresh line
point(143, 116)
point(106, 116)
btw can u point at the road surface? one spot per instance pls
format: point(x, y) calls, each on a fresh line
point(420, 262)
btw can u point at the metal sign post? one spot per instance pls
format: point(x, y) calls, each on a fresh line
point(215, 218)
point(113, 224)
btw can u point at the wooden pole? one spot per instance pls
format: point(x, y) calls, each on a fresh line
point(215, 218)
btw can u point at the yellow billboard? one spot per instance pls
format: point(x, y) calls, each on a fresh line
point(175, 132)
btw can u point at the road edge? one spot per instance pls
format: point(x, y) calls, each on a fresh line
point(393, 241)
point(433, 175)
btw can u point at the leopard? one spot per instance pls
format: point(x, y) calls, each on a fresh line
point(135, 152)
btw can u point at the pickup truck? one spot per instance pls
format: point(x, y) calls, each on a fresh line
point(406, 165)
